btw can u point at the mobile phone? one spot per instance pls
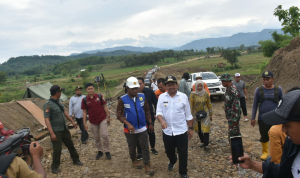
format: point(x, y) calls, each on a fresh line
point(97, 79)
point(236, 149)
point(25, 149)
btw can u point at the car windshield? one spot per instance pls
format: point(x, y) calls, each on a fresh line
point(146, 80)
point(209, 76)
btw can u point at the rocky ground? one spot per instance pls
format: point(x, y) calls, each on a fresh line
point(214, 163)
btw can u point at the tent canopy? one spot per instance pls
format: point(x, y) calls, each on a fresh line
point(41, 91)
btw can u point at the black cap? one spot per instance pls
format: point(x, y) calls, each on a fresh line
point(78, 87)
point(56, 88)
point(286, 111)
point(267, 74)
point(170, 78)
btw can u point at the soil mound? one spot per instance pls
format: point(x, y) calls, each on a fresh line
point(285, 66)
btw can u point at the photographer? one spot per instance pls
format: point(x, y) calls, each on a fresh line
point(13, 166)
point(287, 114)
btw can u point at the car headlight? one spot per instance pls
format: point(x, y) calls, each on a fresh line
point(218, 83)
point(223, 89)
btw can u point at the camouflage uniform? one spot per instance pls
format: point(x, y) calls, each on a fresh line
point(232, 107)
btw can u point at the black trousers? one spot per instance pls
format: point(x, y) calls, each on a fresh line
point(204, 137)
point(263, 130)
point(63, 137)
point(151, 139)
point(181, 142)
point(84, 133)
point(243, 105)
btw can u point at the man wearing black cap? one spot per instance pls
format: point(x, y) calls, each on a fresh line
point(174, 114)
point(55, 114)
point(75, 107)
point(288, 114)
point(266, 98)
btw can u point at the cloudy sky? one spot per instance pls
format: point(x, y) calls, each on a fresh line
point(62, 27)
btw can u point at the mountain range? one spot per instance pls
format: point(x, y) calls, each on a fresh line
point(248, 39)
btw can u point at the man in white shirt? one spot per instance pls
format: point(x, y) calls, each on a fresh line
point(174, 113)
point(154, 85)
point(75, 107)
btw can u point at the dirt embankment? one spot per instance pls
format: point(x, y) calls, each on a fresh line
point(285, 65)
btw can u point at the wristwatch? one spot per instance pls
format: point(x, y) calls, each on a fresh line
point(151, 123)
point(191, 128)
point(107, 116)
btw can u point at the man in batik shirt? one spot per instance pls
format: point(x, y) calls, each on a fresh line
point(231, 106)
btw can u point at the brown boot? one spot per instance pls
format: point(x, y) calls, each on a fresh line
point(136, 164)
point(148, 169)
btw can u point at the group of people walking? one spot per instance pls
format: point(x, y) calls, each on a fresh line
point(180, 112)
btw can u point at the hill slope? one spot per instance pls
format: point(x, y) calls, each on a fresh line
point(127, 48)
point(247, 39)
point(23, 63)
point(285, 66)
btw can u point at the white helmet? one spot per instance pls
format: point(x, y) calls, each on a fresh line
point(198, 75)
point(132, 82)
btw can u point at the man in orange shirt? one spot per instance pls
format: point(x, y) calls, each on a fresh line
point(199, 77)
point(161, 86)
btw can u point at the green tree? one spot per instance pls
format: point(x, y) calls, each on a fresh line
point(268, 47)
point(3, 78)
point(208, 49)
point(231, 56)
point(249, 50)
point(242, 47)
point(89, 68)
point(84, 74)
point(64, 73)
point(290, 19)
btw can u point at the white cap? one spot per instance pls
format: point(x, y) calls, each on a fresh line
point(132, 82)
point(198, 75)
point(237, 75)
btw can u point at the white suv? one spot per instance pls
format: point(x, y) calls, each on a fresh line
point(214, 84)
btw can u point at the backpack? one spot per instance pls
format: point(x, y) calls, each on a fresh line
point(262, 96)
point(5, 161)
point(84, 100)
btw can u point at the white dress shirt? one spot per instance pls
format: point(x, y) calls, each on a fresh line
point(176, 112)
point(75, 106)
point(154, 86)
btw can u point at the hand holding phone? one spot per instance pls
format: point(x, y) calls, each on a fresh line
point(236, 149)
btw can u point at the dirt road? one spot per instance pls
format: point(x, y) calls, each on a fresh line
point(214, 163)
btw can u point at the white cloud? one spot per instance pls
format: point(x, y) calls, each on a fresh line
point(30, 27)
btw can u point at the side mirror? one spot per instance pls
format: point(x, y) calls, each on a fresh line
point(189, 80)
point(219, 76)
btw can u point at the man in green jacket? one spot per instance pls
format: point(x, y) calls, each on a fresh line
point(55, 114)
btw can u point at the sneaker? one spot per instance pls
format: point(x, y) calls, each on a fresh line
point(99, 155)
point(56, 171)
point(139, 157)
point(78, 163)
point(108, 155)
point(153, 150)
point(184, 176)
point(201, 145)
point(84, 142)
point(171, 166)
point(246, 120)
